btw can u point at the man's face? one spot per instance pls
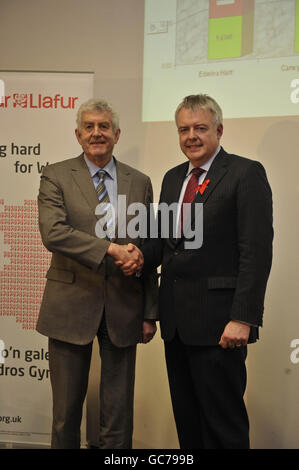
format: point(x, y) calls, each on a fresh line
point(198, 136)
point(97, 137)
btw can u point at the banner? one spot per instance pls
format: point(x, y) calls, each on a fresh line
point(37, 123)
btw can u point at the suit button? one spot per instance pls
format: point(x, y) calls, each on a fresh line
point(176, 253)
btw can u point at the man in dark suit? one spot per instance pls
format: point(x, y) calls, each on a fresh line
point(86, 294)
point(211, 297)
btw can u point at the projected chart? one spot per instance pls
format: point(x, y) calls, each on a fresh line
point(230, 28)
point(245, 53)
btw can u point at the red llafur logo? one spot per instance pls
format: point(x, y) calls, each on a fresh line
point(38, 101)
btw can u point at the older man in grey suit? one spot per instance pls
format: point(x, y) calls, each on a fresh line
point(86, 294)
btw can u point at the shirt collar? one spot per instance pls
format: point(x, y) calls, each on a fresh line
point(110, 168)
point(206, 166)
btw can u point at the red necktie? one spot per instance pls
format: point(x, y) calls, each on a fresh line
point(190, 190)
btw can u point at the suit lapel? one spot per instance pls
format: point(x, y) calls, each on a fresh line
point(215, 174)
point(173, 190)
point(172, 195)
point(124, 181)
point(83, 179)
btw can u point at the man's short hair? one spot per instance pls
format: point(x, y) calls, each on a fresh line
point(95, 104)
point(196, 102)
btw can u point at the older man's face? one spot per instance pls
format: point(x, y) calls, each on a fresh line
point(97, 137)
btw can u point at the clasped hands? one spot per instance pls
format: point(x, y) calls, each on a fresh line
point(128, 257)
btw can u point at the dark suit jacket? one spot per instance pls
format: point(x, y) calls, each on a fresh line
point(82, 279)
point(225, 279)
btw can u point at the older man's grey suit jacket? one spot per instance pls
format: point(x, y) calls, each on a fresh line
point(82, 279)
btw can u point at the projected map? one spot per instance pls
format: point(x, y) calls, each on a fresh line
point(243, 52)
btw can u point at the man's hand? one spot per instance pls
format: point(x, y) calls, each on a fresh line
point(235, 334)
point(131, 267)
point(149, 329)
point(128, 257)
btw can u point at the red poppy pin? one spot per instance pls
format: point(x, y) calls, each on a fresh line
point(201, 187)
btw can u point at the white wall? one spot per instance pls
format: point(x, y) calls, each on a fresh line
point(107, 38)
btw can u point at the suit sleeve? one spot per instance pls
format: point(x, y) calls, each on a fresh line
point(255, 235)
point(153, 248)
point(58, 235)
point(150, 277)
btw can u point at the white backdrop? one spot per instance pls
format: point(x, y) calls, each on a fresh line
point(37, 123)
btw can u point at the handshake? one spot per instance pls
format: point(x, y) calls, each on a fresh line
point(128, 257)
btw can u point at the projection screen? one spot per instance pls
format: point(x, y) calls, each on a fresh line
point(244, 52)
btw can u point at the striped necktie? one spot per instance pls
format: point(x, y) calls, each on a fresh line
point(104, 200)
